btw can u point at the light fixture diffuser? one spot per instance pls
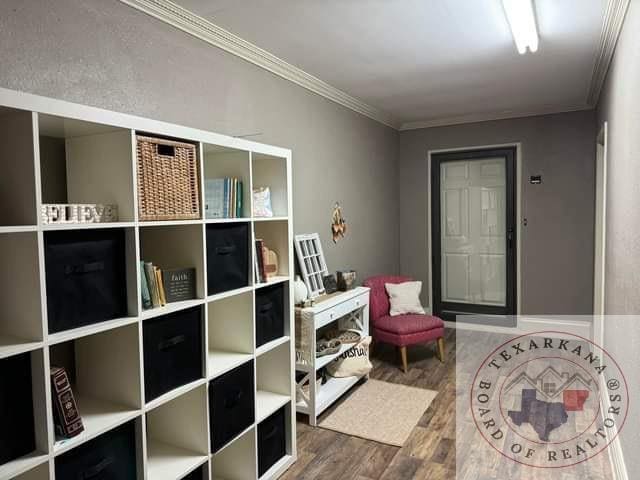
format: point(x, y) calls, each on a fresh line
point(522, 19)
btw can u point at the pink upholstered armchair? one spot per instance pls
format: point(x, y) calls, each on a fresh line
point(400, 330)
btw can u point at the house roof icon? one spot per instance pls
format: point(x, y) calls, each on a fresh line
point(550, 383)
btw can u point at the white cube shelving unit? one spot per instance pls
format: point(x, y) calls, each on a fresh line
point(59, 152)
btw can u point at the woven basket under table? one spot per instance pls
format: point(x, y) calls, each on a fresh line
point(168, 185)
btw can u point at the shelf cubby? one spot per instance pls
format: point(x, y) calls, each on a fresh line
point(274, 442)
point(84, 162)
point(27, 399)
point(104, 371)
point(222, 162)
point(230, 322)
point(177, 436)
point(20, 293)
point(276, 237)
point(175, 246)
point(229, 258)
point(273, 381)
point(237, 460)
point(41, 472)
point(101, 260)
point(18, 179)
point(271, 171)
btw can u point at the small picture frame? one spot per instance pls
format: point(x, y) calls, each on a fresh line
point(346, 280)
point(330, 283)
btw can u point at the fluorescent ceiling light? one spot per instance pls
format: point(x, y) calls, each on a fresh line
point(522, 20)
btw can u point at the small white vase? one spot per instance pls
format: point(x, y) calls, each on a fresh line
point(300, 291)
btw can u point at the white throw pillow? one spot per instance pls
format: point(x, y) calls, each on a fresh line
point(404, 298)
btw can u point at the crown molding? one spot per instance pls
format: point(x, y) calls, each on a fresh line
point(203, 29)
point(485, 117)
point(611, 28)
point(199, 27)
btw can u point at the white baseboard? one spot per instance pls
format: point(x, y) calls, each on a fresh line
point(527, 325)
point(618, 466)
point(561, 324)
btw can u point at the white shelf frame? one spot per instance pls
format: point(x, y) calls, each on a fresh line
point(36, 106)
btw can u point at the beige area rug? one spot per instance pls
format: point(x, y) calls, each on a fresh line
point(380, 411)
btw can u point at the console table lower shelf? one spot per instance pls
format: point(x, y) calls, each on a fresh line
point(346, 310)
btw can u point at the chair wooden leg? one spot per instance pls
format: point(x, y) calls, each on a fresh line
point(403, 354)
point(441, 349)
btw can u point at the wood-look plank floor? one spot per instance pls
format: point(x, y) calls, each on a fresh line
point(430, 451)
point(429, 454)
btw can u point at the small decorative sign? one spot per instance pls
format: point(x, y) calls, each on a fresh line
point(78, 213)
point(535, 179)
point(179, 284)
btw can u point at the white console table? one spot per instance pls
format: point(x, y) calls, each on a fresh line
point(350, 310)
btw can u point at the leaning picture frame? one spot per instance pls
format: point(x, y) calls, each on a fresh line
point(313, 266)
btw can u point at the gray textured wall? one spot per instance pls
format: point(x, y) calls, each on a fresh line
point(106, 54)
point(557, 244)
point(620, 107)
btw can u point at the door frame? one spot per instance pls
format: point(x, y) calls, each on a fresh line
point(518, 188)
point(600, 235)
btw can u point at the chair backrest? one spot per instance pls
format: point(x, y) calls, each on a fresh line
point(378, 298)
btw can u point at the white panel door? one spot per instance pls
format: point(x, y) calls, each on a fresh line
point(473, 231)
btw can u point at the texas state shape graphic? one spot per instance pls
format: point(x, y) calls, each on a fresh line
point(544, 416)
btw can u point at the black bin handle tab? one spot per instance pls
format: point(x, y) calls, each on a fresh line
point(171, 342)
point(231, 400)
point(266, 307)
point(226, 249)
point(96, 469)
point(271, 432)
point(83, 268)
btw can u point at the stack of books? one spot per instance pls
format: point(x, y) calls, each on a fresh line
point(223, 198)
point(159, 287)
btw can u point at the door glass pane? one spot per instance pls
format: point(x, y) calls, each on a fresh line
point(473, 231)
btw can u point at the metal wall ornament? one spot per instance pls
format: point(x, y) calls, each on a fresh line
point(338, 224)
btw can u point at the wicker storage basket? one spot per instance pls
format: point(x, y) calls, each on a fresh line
point(168, 185)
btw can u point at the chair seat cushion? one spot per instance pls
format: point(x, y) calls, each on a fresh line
point(408, 324)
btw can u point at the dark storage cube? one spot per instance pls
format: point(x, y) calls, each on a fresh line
point(269, 314)
point(85, 277)
point(231, 401)
point(227, 257)
point(111, 456)
point(272, 441)
point(172, 351)
point(197, 474)
point(17, 436)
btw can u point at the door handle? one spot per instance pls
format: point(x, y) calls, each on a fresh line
point(510, 238)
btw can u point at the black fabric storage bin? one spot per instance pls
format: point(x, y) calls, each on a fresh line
point(271, 441)
point(172, 351)
point(231, 401)
point(85, 277)
point(110, 456)
point(17, 436)
point(197, 474)
point(269, 313)
point(227, 257)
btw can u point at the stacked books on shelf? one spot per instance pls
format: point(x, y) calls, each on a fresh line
point(266, 262)
point(159, 287)
point(223, 198)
